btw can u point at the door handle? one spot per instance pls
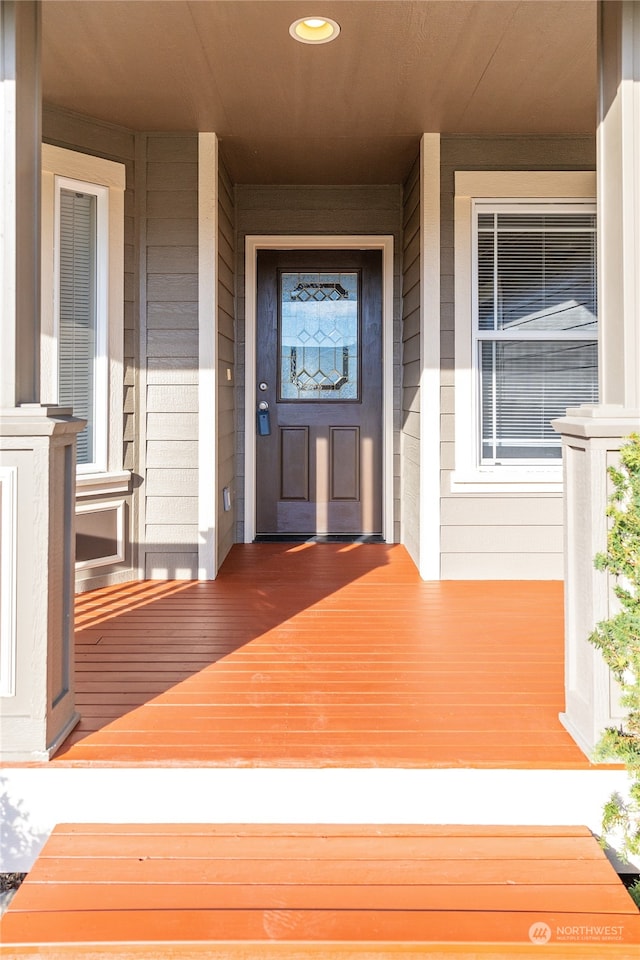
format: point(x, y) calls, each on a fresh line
point(264, 419)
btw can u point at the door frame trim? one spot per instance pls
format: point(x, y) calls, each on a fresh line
point(255, 243)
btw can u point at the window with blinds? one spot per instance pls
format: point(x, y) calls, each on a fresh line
point(535, 325)
point(77, 316)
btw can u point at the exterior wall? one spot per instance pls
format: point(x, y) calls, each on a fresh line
point(226, 361)
point(493, 535)
point(160, 370)
point(483, 535)
point(410, 433)
point(263, 210)
point(91, 137)
point(168, 415)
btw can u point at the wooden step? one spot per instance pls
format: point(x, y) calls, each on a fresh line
point(301, 891)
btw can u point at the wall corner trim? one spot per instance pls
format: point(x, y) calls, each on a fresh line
point(208, 353)
point(429, 565)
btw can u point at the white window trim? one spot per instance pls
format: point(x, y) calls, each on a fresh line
point(100, 390)
point(106, 179)
point(503, 187)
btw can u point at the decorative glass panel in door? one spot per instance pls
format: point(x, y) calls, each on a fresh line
point(319, 336)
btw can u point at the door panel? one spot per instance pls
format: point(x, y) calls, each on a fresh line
point(294, 463)
point(344, 463)
point(319, 370)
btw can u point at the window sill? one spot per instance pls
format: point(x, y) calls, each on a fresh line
point(97, 484)
point(507, 480)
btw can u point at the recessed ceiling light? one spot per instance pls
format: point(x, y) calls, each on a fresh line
point(314, 30)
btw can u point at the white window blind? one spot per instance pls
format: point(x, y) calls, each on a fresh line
point(535, 326)
point(77, 333)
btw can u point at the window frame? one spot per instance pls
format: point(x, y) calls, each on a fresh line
point(500, 188)
point(105, 179)
point(493, 206)
point(100, 365)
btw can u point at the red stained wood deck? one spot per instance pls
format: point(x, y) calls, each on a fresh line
point(244, 890)
point(321, 655)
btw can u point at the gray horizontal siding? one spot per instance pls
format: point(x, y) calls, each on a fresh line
point(316, 210)
point(171, 564)
point(494, 536)
point(501, 566)
point(163, 482)
point(172, 510)
point(411, 365)
point(175, 398)
point(170, 528)
point(172, 453)
point(85, 135)
point(516, 511)
point(226, 441)
point(172, 426)
point(172, 316)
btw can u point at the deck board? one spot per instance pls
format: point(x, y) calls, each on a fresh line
point(321, 655)
point(333, 885)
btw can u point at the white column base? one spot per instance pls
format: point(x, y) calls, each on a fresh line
point(37, 496)
point(591, 439)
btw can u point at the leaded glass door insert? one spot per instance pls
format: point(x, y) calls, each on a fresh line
point(319, 336)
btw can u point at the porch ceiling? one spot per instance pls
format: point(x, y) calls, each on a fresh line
point(350, 111)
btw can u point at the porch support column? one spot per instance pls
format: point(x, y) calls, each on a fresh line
point(430, 334)
point(592, 435)
point(37, 443)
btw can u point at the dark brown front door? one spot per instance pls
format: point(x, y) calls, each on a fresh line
point(319, 382)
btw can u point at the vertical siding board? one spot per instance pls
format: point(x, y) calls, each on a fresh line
point(226, 439)
point(410, 438)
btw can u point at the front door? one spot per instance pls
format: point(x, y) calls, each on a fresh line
point(319, 393)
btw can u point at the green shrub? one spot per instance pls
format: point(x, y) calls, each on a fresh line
point(619, 640)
